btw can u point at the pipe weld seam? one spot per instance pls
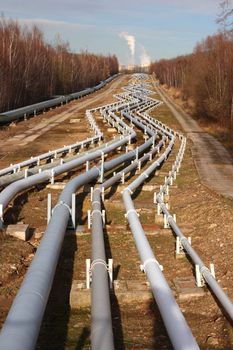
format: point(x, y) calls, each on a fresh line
point(64, 204)
point(97, 189)
point(145, 175)
point(148, 261)
point(96, 211)
point(204, 269)
point(128, 189)
point(131, 211)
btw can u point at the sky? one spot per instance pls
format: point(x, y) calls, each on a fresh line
point(137, 31)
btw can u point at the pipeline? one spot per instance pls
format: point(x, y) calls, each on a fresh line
point(14, 169)
point(177, 328)
point(23, 112)
point(101, 330)
point(100, 306)
point(14, 188)
point(175, 323)
point(53, 154)
point(221, 296)
point(22, 325)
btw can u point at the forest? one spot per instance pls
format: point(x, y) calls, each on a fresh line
point(205, 77)
point(32, 70)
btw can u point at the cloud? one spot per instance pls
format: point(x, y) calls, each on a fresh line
point(51, 23)
point(131, 41)
point(190, 6)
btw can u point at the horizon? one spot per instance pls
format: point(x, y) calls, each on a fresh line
point(136, 34)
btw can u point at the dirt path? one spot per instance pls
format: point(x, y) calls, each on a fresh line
point(214, 164)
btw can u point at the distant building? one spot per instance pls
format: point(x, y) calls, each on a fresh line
point(122, 67)
point(133, 68)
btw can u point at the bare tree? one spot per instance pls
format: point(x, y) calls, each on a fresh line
point(225, 17)
point(205, 76)
point(32, 70)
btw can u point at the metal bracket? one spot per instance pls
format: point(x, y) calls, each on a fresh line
point(179, 245)
point(102, 168)
point(131, 211)
point(166, 222)
point(72, 210)
point(1, 216)
point(52, 177)
point(89, 217)
point(170, 178)
point(90, 265)
point(155, 200)
point(102, 194)
point(139, 165)
point(92, 190)
point(200, 282)
point(123, 178)
point(143, 266)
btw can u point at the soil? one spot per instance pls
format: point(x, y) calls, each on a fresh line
point(202, 214)
point(214, 164)
point(210, 126)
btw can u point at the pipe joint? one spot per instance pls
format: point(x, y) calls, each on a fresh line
point(98, 262)
point(131, 211)
point(149, 261)
point(95, 211)
point(64, 204)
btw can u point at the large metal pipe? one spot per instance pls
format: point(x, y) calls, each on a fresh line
point(101, 315)
point(175, 323)
point(21, 328)
point(16, 114)
point(205, 272)
point(54, 153)
point(15, 168)
point(37, 292)
point(7, 179)
point(48, 155)
point(101, 329)
point(13, 189)
point(101, 325)
point(22, 325)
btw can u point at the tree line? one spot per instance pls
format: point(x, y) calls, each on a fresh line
point(205, 76)
point(33, 70)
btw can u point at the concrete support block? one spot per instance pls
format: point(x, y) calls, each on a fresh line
point(111, 130)
point(150, 187)
point(20, 231)
point(57, 186)
point(74, 121)
point(126, 292)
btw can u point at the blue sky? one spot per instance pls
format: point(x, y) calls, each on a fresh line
point(158, 28)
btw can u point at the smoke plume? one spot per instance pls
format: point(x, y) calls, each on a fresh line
point(144, 57)
point(130, 41)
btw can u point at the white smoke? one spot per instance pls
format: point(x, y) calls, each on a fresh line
point(144, 57)
point(131, 41)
